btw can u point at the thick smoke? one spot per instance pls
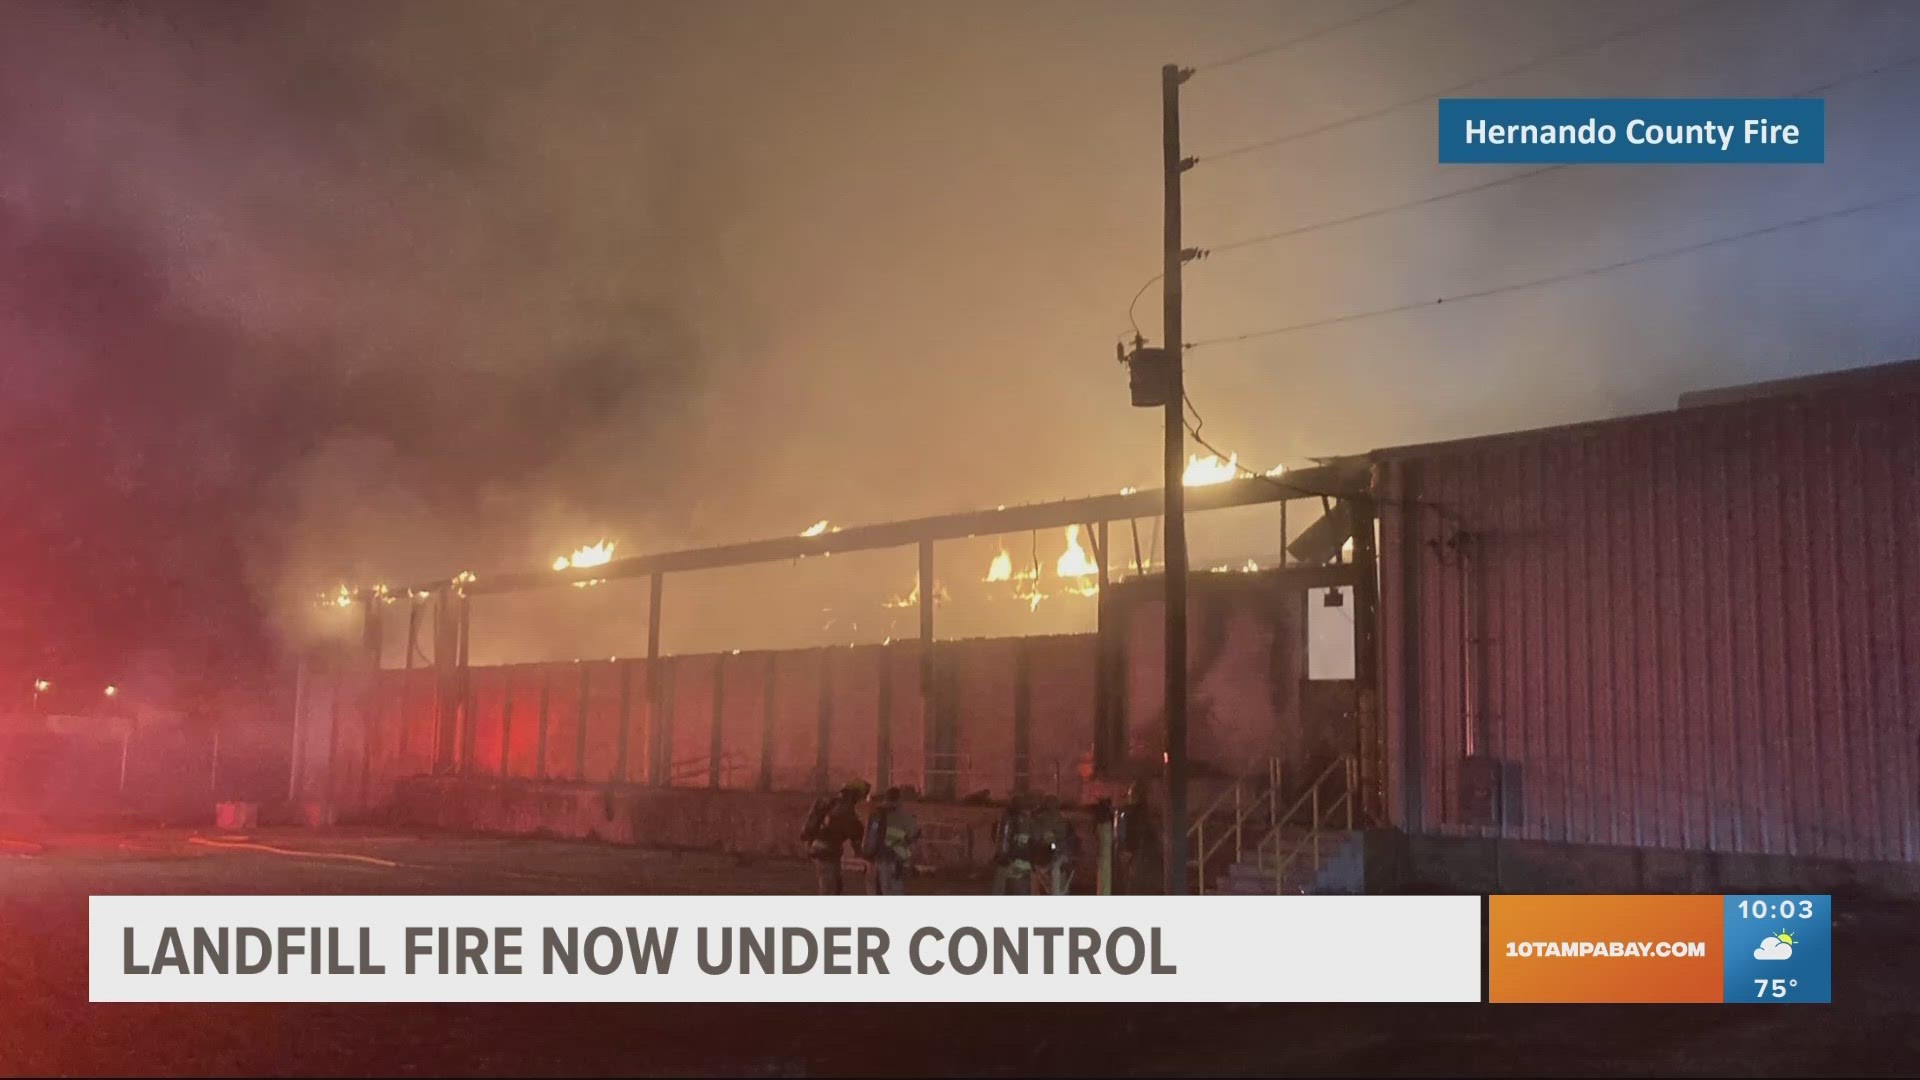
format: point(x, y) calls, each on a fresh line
point(303, 294)
point(285, 311)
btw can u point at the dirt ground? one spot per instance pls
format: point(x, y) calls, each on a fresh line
point(48, 1026)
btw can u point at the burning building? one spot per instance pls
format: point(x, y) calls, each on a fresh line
point(1688, 634)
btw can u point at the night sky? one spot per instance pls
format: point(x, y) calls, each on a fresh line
point(298, 294)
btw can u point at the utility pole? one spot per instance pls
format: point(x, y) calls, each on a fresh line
point(1171, 76)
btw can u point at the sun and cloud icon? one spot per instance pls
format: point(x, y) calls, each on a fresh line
point(1777, 947)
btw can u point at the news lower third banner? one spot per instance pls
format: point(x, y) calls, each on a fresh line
point(1774, 949)
point(785, 948)
point(1633, 131)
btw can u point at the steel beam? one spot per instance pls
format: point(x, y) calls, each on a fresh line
point(1347, 477)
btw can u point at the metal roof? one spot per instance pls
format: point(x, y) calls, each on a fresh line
point(1344, 477)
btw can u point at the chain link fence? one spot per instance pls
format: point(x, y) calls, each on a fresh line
point(168, 777)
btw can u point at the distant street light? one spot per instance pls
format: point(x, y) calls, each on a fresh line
point(112, 691)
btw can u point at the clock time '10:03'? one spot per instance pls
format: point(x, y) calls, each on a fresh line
point(1785, 909)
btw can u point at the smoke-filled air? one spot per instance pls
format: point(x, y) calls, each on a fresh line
point(309, 296)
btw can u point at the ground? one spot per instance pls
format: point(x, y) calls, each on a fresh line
point(48, 1026)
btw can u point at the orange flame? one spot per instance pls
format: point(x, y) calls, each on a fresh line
point(816, 528)
point(1001, 568)
point(1074, 562)
point(1248, 567)
point(912, 598)
point(598, 554)
point(1204, 471)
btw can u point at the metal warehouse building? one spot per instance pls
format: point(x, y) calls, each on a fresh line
point(1697, 629)
point(1689, 635)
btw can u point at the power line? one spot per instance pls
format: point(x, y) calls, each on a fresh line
point(1291, 488)
point(1580, 47)
point(1310, 493)
point(1302, 39)
point(1429, 200)
point(1511, 178)
point(1555, 279)
point(1349, 219)
point(1288, 486)
point(1135, 302)
point(1295, 489)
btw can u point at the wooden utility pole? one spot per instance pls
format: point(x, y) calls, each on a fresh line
point(1171, 76)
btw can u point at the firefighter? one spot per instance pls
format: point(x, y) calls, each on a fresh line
point(1013, 849)
point(833, 823)
point(1136, 845)
point(892, 832)
point(1055, 846)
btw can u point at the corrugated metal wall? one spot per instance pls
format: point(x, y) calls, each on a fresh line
point(853, 713)
point(1698, 629)
point(1246, 660)
point(1059, 715)
point(786, 721)
point(906, 716)
point(984, 678)
point(1007, 714)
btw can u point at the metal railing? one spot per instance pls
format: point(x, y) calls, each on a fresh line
point(1251, 817)
point(1243, 806)
point(958, 775)
point(1327, 804)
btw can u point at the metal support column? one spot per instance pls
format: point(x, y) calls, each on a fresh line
point(463, 688)
point(656, 737)
point(1369, 725)
point(446, 659)
point(940, 764)
point(1109, 749)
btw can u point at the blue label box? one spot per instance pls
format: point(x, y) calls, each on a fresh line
point(1779, 949)
point(1633, 131)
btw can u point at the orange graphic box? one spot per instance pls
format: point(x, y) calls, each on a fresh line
point(1605, 948)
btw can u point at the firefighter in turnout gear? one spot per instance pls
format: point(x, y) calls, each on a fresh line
point(1013, 849)
point(1055, 846)
point(892, 832)
point(832, 824)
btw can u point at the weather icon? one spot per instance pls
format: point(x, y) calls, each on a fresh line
point(1777, 947)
